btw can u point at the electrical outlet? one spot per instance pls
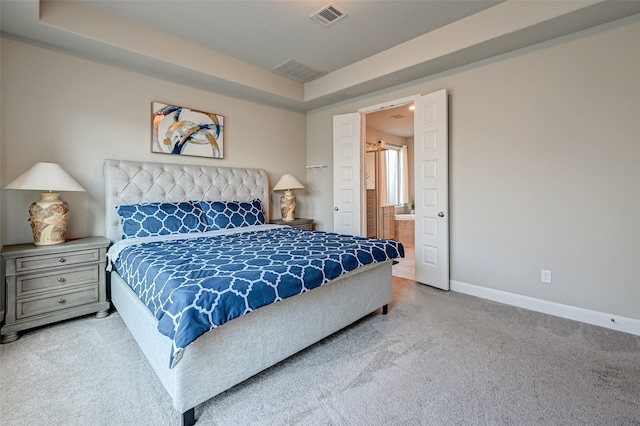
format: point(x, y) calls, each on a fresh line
point(545, 276)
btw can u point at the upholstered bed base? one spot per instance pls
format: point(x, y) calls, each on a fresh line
point(249, 344)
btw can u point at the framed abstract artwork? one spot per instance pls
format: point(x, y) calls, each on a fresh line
point(184, 131)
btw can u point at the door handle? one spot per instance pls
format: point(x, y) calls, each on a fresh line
point(440, 214)
point(336, 209)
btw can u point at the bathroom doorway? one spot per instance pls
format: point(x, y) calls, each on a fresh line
point(431, 182)
point(389, 180)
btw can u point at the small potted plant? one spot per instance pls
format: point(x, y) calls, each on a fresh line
point(412, 204)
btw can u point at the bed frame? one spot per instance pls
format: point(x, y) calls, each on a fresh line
point(251, 343)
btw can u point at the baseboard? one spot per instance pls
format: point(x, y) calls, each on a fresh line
point(614, 322)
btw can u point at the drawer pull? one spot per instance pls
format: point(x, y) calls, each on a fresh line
point(61, 301)
point(62, 259)
point(61, 280)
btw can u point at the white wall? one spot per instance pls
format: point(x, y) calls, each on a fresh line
point(59, 108)
point(544, 168)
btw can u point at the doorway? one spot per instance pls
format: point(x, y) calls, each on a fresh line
point(389, 180)
point(388, 168)
point(430, 181)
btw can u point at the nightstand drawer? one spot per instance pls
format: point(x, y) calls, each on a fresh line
point(304, 226)
point(30, 263)
point(35, 306)
point(300, 223)
point(68, 277)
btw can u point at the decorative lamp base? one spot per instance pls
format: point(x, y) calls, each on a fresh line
point(49, 219)
point(288, 206)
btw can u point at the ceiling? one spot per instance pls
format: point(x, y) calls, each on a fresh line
point(393, 121)
point(267, 33)
point(231, 47)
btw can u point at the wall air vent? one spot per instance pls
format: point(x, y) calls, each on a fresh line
point(328, 15)
point(296, 71)
point(397, 116)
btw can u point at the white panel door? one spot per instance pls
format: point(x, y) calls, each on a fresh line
point(347, 181)
point(431, 143)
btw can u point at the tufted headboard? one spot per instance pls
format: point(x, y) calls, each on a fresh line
point(135, 182)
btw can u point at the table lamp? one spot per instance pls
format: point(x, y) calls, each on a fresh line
point(288, 201)
point(49, 215)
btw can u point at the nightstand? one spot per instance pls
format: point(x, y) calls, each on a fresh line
point(45, 284)
point(306, 224)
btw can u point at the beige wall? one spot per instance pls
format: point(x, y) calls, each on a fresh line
point(59, 108)
point(544, 168)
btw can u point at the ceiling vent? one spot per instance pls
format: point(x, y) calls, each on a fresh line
point(328, 15)
point(296, 71)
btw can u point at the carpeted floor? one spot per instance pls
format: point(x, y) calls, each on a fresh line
point(438, 358)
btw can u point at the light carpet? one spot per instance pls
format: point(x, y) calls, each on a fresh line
point(437, 358)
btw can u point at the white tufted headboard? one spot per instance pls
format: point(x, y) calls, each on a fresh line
point(135, 182)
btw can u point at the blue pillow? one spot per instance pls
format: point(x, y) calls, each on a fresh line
point(232, 214)
point(146, 220)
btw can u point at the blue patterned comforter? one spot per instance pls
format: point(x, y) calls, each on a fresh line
point(197, 282)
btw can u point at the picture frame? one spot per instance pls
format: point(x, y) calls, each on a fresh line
point(180, 130)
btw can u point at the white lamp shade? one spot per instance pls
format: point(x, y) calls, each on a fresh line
point(45, 177)
point(287, 182)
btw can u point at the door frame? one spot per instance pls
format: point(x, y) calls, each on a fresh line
point(388, 105)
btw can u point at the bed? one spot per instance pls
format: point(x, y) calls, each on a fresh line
point(248, 343)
